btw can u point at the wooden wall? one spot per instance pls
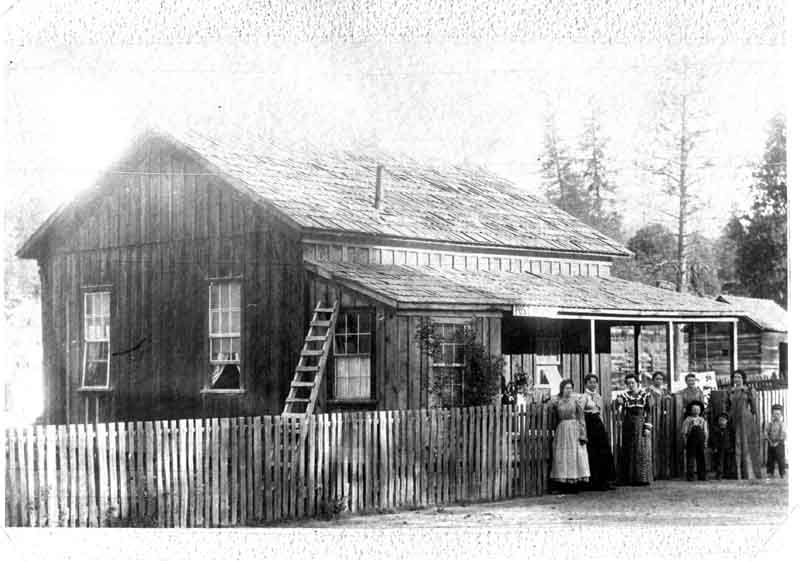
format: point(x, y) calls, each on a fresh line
point(464, 260)
point(758, 350)
point(155, 234)
point(401, 371)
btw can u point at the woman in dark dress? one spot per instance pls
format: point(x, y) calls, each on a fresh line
point(636, 462)
point(601, 460)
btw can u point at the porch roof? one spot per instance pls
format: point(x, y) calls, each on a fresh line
point(523, 293)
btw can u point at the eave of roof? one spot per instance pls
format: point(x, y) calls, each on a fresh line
point(523, 293)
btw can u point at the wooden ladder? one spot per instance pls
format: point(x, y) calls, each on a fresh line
point(310, 370)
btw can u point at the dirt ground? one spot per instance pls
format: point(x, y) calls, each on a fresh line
point(675, 503)
point(668, 519)
point(704, 521)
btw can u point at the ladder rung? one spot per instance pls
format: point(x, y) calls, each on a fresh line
point(301, 384)
point(328, 310)
point(321, 323)
point(293, 415)
point(311, 352)
point(307, 368)
point(316, 338)
point(297, 400)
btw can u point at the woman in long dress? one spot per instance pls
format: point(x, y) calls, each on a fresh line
point(601, 460)
point(660, 408)
point(570, 466)
point(636, 462)
point(741, 406)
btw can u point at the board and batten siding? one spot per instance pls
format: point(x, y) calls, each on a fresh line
point(154, 235)
point(401, 370)
point(332, 252)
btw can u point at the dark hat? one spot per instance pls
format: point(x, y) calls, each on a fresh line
point(777, 407)
point(695, 403)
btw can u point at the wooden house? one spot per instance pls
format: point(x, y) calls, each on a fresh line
point(761, 343)
point(183, 284)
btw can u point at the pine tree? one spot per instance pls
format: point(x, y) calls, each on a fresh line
point(762, 254)
point(563, 186)
point(598, 185)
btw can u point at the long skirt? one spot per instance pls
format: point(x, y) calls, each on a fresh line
point(747, 446)
point(570, 460)
point(601, 460)
point(636, 462)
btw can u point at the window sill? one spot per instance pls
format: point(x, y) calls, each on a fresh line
point(95, 389)
point(352, 401)
point(222, 391)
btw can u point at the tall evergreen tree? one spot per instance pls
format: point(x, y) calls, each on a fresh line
point(762, 254)
point(598, 183)
point(563, 185)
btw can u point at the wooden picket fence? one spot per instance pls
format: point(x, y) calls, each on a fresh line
point(250, 471)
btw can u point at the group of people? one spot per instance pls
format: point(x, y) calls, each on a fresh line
point(581, 452)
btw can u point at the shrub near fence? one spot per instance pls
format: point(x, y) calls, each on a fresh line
point(238, 471)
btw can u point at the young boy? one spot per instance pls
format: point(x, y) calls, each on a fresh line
point(695, 437)
point(721, 444)
point(775, 435)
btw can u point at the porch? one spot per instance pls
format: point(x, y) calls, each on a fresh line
point(551, 326)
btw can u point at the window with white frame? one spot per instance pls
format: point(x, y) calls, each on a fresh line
point(448, 362)
point(352, 351)
point(224, 335)
point(96, 339)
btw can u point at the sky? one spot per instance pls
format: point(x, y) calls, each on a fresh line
point(80, 83)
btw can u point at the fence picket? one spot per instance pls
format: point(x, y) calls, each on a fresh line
point(220, 472)
point(113, 472)
point(13, 490)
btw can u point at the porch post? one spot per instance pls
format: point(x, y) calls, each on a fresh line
point(671, 372)
point(734, 347)
point(592, 348)
point(637, 330)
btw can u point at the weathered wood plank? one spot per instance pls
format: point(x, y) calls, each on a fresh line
point(224, 472)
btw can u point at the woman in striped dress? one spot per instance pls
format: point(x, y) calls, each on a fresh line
point(636, 463)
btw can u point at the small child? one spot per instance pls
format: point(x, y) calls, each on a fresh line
point(775, 435)
point(695, 437)
point(721, 444)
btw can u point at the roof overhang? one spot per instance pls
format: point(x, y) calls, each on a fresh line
point(422, 288)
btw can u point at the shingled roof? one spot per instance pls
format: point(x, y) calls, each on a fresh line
point(406, 286)
point(764, 313)
point(334, 192)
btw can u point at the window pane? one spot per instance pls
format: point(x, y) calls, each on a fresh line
point(95, 374)
point(224, 322)
point(339, 345)
point(352, 345)
point(236, 348)
point(458, 354)
point(225, 377)
point(105, 298)
point(224, 296)
point(96, 351)
point(88, 301)
point(352, 322)
point(216, 349)
point(236, 296)
point(213, 293)
point(236, 319)
point(364, 343)
point(214, 322)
